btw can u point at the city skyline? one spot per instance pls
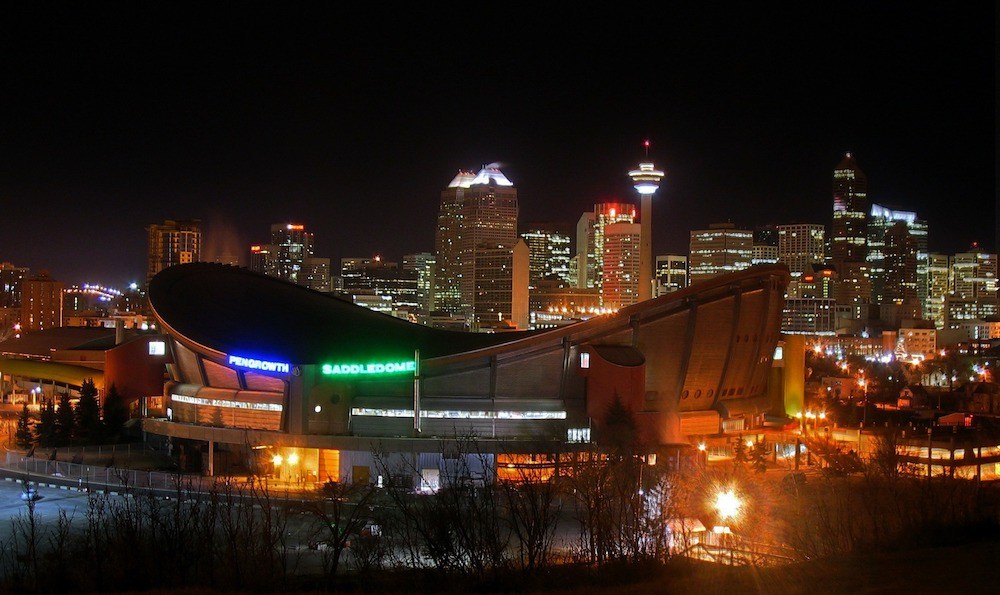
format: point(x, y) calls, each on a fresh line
point(356, 138)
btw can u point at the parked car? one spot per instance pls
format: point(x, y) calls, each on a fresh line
point(29, 493)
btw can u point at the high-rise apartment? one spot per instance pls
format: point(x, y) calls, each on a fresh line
point(477, 210)
point(41, 303)
point(800, 246)
point(172, 242)
point(722, 248)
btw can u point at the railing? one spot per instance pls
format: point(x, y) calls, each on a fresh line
point(91, 476)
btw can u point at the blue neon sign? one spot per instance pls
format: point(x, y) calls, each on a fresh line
point(259, 364)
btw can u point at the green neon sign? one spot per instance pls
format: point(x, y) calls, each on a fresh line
point(375, 368)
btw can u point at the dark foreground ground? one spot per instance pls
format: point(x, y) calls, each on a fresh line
point(968, 569)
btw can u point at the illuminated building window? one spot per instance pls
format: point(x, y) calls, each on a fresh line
point(442, 414)
point(228, 403)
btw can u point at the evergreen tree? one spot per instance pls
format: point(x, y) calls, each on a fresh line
point(65, 422)
point(758, 456)
point(620, 432)
point(45, 429)
point(23, 437)
point(115, 413)
point(88, 414)
point(740, 455)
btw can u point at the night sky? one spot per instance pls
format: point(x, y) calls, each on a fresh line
point(352, 123)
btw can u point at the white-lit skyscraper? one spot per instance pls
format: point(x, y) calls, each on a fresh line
point(476, 210)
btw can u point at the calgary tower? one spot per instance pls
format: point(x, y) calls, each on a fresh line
point(646, 180)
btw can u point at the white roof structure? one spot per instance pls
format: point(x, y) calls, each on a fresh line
point(488, 174)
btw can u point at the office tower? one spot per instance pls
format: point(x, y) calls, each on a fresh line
point(292, 244)
point(671, 273)
point(549, 244)
point(476, 210)
point(264, 259)
point(722, 248)
point(173, 242)
point(621, 264)
point(41, 303)
point(315, 274)
point(938, 287)
point(646, 180)
point(800, 246)
point(501, 285)
point(880, 221)
point(850, 210)
point(422, 267)
point(10, 284)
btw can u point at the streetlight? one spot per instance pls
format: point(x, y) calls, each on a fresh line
point(727, 504)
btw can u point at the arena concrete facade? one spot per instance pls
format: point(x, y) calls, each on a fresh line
point(262, 364)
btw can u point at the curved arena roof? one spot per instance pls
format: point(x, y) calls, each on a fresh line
point(233, 310)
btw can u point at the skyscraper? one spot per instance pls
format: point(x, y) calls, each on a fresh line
point(646, 180)
point(477, 210)
point(621, 263)
point(501, 287)
point(938, 287)
point(422, 266)
point(292, 244)
point(173, 242)
point(549, 248)
point(590, 239)
point(850, 211)
point(880, 221)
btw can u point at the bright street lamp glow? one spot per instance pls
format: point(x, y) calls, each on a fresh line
point(277, 460)
point(727, 504)
point(293, 459)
